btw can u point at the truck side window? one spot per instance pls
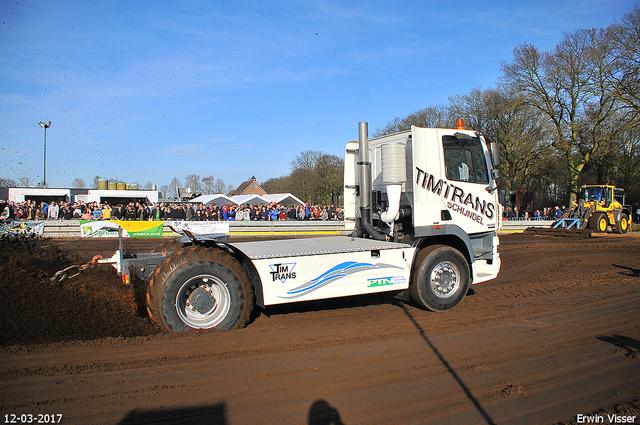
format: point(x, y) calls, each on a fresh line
point(465, 160)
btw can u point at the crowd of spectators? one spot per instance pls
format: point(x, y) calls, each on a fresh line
point(548, 213)
point(38, 211)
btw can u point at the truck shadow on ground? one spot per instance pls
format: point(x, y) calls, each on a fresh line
point(215, 415)
point(467, 391)
point(383, 298)
point(631, 271)
point(631, 346)
point(328, 304)
point(320, 413)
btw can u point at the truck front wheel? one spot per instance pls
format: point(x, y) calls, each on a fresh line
point(440, 278)
point(200, 288)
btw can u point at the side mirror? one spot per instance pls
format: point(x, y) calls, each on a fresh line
point(495, 154)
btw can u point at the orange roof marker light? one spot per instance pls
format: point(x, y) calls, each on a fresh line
point(459, 124)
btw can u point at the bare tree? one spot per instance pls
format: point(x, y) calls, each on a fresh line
point(429, 117)
point(24, 181)
point(193, 181)
point(625, 76)
point(315, 177)
point(7, 182)
point(518, 129)
point(306, 160)
point(164, 192)
point(330, 170)
point(221, 187)
point(79, 183)
point(564, 84)
point(172, 189)
point(208, 185)
point(304, 175)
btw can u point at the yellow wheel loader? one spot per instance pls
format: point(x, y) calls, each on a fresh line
point(602, 207)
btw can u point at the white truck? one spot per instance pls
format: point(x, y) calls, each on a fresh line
point(423, 213)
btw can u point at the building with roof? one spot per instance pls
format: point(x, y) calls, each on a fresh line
point(250, 187)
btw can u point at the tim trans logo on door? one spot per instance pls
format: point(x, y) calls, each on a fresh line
point(282, 272)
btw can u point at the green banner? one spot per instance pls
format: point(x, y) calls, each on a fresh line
point(130, 229)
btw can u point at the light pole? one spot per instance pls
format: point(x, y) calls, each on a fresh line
point(45, 125)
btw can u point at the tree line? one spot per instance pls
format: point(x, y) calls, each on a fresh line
point(315, 177)
point(562, 118)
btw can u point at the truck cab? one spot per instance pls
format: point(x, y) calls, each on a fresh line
point(443, 192)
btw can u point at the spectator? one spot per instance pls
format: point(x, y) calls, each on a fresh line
point(292, 213)
point(5, 211)
point(106, 212)
point(40, 215)
point(97, 212)
point(67, 212)
point(77, 212)
point(87, 214)
point(273, 213)
point(130, 212)
point(117, 212)
point(53, 211)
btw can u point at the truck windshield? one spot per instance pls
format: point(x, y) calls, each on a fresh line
point(464, 160)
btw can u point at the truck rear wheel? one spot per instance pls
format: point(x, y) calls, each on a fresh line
point(200, 288)
point(623, 224)
point(440, 279)
point(598, 223)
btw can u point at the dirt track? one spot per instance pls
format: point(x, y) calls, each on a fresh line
point(555, 336)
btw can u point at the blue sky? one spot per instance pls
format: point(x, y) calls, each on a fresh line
point(147, 91)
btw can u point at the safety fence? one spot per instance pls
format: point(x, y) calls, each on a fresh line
point(72, 229)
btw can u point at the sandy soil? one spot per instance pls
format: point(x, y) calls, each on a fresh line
point(556, 336)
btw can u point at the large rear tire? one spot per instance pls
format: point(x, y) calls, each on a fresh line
point(598, 223)
point(623, 224)
point(200, 288)
point(169, 245)
point(440, 279)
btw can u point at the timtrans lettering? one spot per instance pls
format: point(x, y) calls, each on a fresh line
point(281, 272)
point(461, 202)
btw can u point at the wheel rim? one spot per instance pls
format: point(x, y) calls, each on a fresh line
point(624, 224)
point(445, 279)
point(603, 224)
point(203, 301)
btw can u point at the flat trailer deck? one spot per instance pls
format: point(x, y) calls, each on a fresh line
point(263, 249)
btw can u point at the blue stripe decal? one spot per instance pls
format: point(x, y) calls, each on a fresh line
point(337, 272)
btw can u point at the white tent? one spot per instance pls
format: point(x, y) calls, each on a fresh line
point(221, 200)
point(218, 199)
point(283, 199)
point(249, 199)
